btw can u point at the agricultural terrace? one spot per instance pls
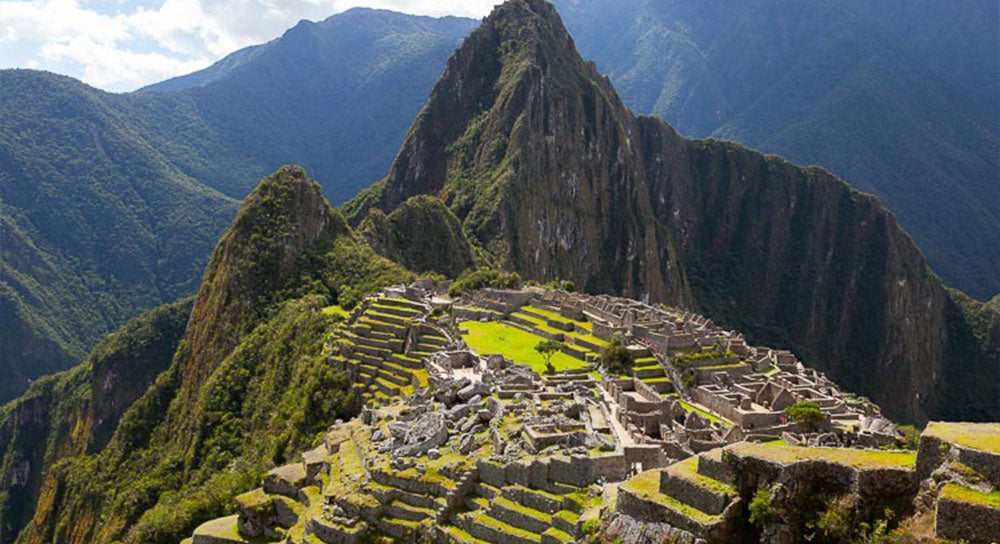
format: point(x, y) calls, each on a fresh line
point(519, 346)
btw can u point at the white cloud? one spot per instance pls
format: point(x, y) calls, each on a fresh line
point(136, 46)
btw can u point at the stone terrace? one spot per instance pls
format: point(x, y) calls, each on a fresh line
point(478, 447)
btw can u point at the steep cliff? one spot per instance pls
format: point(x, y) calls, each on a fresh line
point(74, 412)
point(552, 176)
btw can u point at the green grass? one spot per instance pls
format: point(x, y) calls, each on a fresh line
point(646, 485)
point(226, 528)
point(710, 416)
point(979, 436)
point(517, 345)
point(960, 493)
point(336, 310)
point(856, 458)
point(530, 512)
point(503, 527)
point(688, 470)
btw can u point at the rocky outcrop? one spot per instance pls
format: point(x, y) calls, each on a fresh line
point(75, 412)
point(553, 177)
point(422, 234)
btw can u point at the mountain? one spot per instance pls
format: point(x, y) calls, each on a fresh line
point(334, 96)
point(545, 171)
point(898, 97)
point(97, 225)
point(111, 203)
point(251, 363)
point(553, 177)
point(76, 411)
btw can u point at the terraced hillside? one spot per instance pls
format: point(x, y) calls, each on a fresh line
point(466, 440)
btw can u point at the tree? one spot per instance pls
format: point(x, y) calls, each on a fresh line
point(548, 348)
point(807, 412)
point(616, 357)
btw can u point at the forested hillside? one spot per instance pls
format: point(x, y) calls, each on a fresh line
point(899, 98)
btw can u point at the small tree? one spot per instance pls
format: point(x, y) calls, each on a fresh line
point(807, 412)
point(616, 357)
point(548, 348)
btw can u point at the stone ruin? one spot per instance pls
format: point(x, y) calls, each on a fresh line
point(475, 447)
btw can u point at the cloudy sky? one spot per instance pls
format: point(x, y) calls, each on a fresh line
point(121, 45)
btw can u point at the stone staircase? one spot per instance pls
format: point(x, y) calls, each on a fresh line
point(696, 495)
point(516, 514)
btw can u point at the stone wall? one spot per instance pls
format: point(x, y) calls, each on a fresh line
point(975, 523)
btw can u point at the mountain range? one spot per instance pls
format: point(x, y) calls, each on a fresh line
point(111, 202)
point(523, 157)
point(897, 97)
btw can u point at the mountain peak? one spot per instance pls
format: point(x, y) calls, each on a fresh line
point(280, 220)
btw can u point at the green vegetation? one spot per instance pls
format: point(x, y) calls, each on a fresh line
point(98, 227)
point(616, 358)
point(806, 412)
point(336, 310)
point(685, 360)
point(249, 386)
point(483, 277)
point(761, 508)
point(647, 486)
point(688, 379)
point(688, 470)
point(83, 404)
point(704, 413)
point(514, 344)
point(421, 234)
point(966, 494)
point(805, 117)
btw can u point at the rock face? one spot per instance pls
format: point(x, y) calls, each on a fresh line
point(76, 411)
point(553, 176)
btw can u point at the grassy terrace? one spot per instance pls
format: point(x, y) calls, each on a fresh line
point(336, 310)
point(688, 470)
point(979, 436)
point(646, 485)
point(960, 493)
point(856, 458)
point(709, 415)
point(519, 346)
point(226, 529)
point(542, 325)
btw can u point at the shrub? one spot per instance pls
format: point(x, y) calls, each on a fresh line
point(565, 285)
point(591, 526)
point(761, 509)
point(483, 277)
point(616, 357)
point(807, 412)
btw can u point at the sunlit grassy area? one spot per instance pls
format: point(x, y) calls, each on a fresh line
point(647, 486)
point(336, 310)
point(708, 415)
point(856, 458)
point(513, 343)
point(980, 436)
point(964, 494)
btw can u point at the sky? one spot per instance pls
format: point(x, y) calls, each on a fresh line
point(121, 45)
